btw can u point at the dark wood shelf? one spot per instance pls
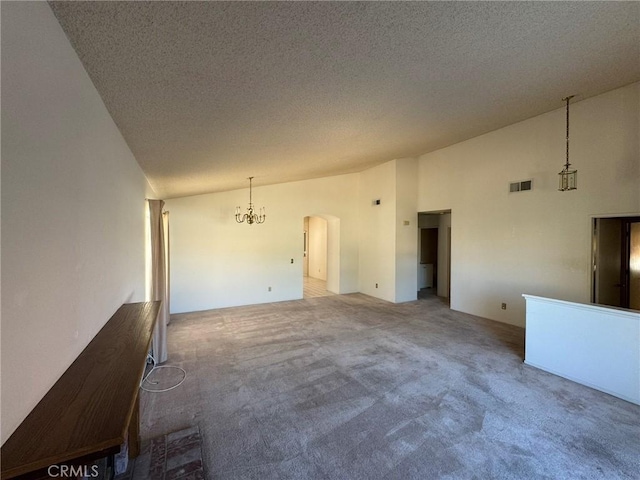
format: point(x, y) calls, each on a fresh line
point(89, 410)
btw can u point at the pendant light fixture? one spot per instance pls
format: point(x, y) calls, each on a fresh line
point(250, 216)
point(568, 178)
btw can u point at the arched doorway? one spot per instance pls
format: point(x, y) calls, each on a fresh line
point(321, 259)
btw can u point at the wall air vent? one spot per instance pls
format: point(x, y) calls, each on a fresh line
point(520, 186)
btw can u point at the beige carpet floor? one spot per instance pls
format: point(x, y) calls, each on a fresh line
point(350, 387)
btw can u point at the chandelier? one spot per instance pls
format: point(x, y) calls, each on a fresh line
point(250, 216)
point(568, 177)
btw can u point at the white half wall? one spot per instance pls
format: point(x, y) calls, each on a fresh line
point(590, 344)
point(216, 262)
point(538, 241)
point(73, 210)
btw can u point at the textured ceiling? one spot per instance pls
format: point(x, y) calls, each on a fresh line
point(209, 93)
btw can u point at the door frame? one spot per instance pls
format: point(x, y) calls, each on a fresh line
point(626, 260)
point(626, 221)
point(443, 230)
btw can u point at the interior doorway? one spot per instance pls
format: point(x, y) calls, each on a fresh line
point(321, 256)
point(316, 248)
point(616, 262)
point(428, 268)
point(434, 259)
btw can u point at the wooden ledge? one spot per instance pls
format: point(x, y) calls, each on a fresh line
point(89, 409)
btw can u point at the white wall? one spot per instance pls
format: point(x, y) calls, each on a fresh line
point(536, 242)
point(72, 210)
point(388, 247)
point(334, 255)
point(318, 248)
point(444, 230)
point(216, 262)
point(378, 231)
point(406, 225)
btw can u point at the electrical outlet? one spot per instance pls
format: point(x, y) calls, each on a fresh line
point(376, 285)
point(269, 288)
point(504, 306)
point(292, 260)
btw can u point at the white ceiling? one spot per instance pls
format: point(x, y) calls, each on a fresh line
point(209, 93)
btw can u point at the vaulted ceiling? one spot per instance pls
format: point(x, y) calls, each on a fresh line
point(209, 93)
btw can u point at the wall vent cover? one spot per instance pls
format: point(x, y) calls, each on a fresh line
point(520, 186)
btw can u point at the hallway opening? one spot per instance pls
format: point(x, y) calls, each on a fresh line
point(321, 256)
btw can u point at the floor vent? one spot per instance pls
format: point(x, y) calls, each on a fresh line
point(520, 186)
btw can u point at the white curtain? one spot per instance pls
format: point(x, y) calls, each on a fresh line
point(167, 269)
point(159, 229)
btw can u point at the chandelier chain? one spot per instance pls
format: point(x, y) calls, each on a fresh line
point(567, 99)
point(567, 177)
